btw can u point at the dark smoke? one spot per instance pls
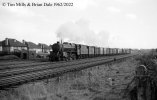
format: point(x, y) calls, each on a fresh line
point(80, 32)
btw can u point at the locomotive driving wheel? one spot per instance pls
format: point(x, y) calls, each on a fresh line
point(58, 57)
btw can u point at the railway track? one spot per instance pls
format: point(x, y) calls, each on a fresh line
point(14, 62)
point(24, 64)
point(22, 75)
point(44, 66)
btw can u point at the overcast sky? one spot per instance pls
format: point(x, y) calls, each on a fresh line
point(107, 23)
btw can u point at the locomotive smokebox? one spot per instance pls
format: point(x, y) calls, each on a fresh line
point(56, 47)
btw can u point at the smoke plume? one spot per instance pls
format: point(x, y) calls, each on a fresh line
point(80, 32)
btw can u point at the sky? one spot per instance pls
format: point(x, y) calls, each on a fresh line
point(105, 23)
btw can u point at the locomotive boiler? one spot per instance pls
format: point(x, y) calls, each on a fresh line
point(63, 51)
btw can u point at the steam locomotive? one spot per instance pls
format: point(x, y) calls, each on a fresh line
point(70, 51)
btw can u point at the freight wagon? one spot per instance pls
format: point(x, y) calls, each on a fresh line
point(101, 51)
point(91, 50)
point(83, 49)
point(96, 51)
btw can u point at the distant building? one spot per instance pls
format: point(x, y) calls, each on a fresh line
point(12, 45)
point(45, 48)
point(32, 46)
point(33, 49)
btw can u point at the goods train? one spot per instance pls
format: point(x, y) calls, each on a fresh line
point(70, 51)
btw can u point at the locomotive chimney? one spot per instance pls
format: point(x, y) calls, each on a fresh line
point(6, 41)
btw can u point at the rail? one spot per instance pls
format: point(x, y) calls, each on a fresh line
point(19, 76)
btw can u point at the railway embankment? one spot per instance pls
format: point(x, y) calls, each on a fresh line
point(144, 84)
point(103, 82)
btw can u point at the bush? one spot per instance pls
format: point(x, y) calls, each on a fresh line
point(9, 57)
point(148, 61)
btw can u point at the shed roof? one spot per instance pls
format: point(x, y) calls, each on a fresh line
point(32, 45)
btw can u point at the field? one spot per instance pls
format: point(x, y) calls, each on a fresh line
point(105, 82)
